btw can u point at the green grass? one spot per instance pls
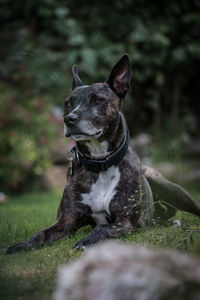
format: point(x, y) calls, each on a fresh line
point(31, 275)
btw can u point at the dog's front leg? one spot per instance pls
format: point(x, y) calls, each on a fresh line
point(70, 218)
point(45, 237)
point(102, 232)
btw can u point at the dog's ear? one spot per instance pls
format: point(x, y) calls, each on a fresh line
point(120, 76)
point(76, 79)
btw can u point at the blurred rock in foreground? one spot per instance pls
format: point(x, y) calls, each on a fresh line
point(117, 271)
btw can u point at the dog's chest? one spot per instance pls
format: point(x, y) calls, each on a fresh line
point(102, 192)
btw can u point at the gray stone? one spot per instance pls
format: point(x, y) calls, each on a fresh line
point(117, 271)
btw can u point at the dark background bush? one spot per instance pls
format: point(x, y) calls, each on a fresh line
point(41, 40)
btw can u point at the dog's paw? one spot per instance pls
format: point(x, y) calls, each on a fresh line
point(35, 241)
point(18, 247)
point(80, 245)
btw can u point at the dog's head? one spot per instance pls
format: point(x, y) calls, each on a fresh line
point(93, 110)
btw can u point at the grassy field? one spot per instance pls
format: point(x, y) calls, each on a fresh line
point(31, 275)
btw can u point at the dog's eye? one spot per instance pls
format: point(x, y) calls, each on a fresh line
point(99, 100)
point(67, 104)
point(96, 100)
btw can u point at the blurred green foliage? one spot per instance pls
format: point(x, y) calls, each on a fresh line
point(24, 138)
point(41, 40)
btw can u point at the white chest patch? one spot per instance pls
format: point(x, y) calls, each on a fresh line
point(102, 191)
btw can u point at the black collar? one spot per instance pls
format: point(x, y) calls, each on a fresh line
point(103, 164)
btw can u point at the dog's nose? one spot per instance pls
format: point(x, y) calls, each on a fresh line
point(71, 118)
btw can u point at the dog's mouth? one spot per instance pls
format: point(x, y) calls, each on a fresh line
point(77, 136)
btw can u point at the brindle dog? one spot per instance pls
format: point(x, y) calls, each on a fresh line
point(106, 186)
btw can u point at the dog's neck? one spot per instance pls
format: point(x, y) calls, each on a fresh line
point(97, 149)
point(110, 142)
